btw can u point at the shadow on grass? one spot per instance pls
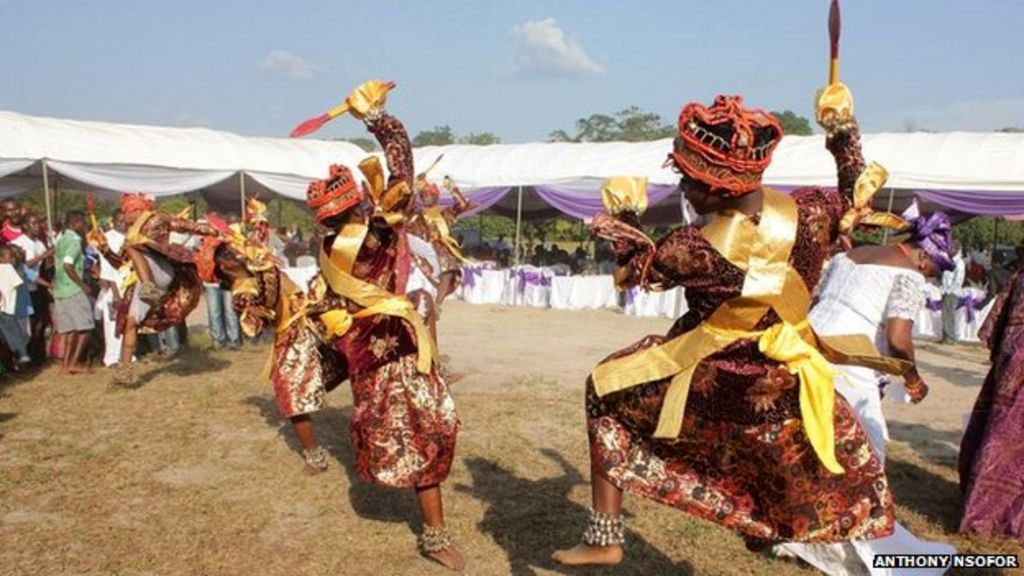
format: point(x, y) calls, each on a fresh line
point(925, 492)
point(529, 519)
point(5, 416)
point(331, 425)
point(188, 362)
point(939, 446)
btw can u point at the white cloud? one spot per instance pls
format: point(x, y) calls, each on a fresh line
point(544, 50)
point(285, 63)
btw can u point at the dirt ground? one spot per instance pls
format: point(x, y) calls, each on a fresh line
point(194, 474)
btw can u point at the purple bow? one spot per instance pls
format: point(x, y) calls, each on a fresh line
point(933, 305)
point(970, 302)
point(526, 278)
point(469, 276)
point(934, 234)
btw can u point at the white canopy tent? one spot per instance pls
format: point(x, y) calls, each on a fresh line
point(111, 158)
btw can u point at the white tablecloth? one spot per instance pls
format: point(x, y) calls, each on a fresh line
point(667, 304)
point(929, 323)
point(966, 330)
point(583, 292)
point(489, 287)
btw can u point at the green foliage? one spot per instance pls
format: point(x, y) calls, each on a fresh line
point(793, 124)
point(439, 136)
point(629, 125)
point(481, 139)
point(980, 232)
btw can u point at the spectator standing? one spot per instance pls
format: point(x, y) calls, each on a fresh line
point(72, 309)
point(110, 281)
point(952, 285)
point(12, 289)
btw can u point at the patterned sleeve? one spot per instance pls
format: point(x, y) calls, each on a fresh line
point(394, 141)
point(184, 226)
point(846, 150)
point(907, 297)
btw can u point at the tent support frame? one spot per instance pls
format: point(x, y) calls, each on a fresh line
point(519, 224)
point(46, 198)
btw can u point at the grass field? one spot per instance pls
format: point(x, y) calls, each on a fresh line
point(194, 474)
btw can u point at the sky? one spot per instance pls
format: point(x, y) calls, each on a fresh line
point(518, 69)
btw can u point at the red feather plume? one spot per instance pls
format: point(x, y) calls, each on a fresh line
point(833, 28)
point(310, 126)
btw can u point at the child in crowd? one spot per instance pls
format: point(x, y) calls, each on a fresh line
point(13, 290)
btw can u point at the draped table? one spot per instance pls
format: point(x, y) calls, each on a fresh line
point(583, 292)
point(667, 304)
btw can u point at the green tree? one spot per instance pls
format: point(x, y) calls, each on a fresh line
point(632, 124)
point(481, 139)
point(439, 136)
point(793, 124)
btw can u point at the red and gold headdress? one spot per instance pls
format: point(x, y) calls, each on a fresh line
point(136, 202)
point(335, 194)
point(255, 210)
point(725, 146)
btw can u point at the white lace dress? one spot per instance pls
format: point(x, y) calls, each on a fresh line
point(859, 299)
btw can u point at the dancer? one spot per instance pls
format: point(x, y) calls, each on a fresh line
point(302, 368)
point(878, 291)
point(750, 434)
point(163, 287)
point(434, 224)
point(404, 423)
point(992, 450)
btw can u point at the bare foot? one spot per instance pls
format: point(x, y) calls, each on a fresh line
point(583, 555)
point(450, 558)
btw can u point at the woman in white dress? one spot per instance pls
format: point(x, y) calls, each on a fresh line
point(878, 291)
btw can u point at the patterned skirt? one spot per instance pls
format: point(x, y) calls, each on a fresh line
point(757, 476)
point(303, 371)
point(403, 426)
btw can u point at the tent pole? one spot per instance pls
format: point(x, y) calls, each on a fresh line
point(885, 239)
point(46, 200)
point(992, 258)
point(241, 190)
point(519, 222)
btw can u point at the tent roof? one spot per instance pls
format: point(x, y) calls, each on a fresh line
point(160, 160)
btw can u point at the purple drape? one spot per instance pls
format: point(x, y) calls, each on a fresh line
point(587, 204)
point(977, 201)
point(482, 198)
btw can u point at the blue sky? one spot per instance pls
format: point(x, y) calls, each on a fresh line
point(519, 69)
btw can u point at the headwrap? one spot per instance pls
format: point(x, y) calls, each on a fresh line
point(136, 202)
point(335, 194)
point(725, 146)
point(934, 234)
point(255, 210)
point(430, 194)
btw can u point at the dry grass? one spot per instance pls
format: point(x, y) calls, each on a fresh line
point(194, 474)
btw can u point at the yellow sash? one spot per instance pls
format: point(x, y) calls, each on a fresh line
point(435, 218)
point(134, 235)
point(337, 270)
point(770, 284)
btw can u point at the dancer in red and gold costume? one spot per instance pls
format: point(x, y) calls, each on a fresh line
point(732, 416)
point(404, 423)
point(303, 366)
point(163, 286)
point(434, 223)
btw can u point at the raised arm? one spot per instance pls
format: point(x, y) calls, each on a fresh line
point(394, 141)
point(834, 113)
